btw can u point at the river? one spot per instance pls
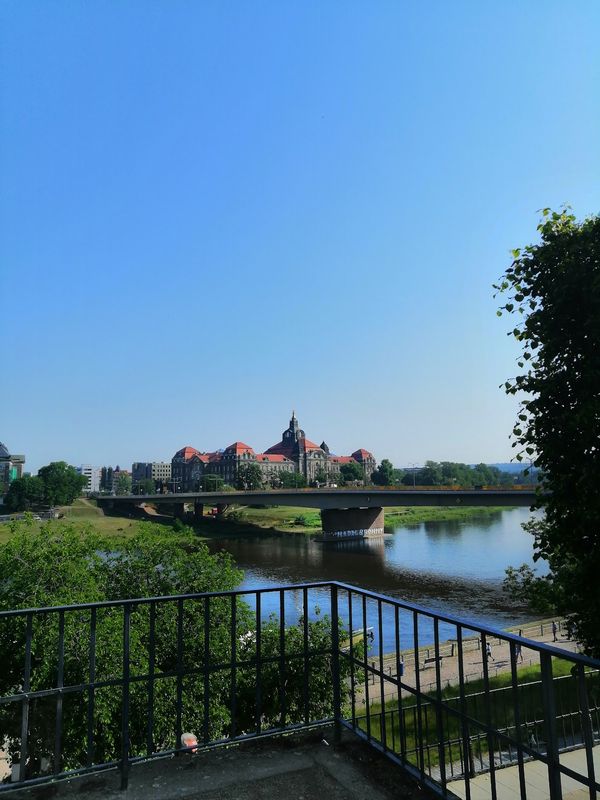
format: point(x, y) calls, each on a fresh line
point(454, 568)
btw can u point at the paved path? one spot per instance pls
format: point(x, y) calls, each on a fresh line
point(472, 660)
point(536, 780)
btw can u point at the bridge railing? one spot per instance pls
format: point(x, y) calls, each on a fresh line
point(98, 686)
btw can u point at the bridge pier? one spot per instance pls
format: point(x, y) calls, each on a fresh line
point(178, 510)
point(352, 523)
point(198, 512)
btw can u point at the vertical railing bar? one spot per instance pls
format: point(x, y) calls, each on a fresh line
point(25, 702)
point(517, 718)
point(554, 783)
point(468, 767)
point(206, 659)
point(59, 696)
point(233, 664)
point(125, 710)
point(399, 676)
point(335, 665)
point(438, 710)
point(179, 682)
point(151, 667)
point(420, 755)
point(587, 729)
point(366, 670)
point(305, 647)
point(488, 715)
point(258, 699)
point(381, 681)
point(91, 690)
point(352, 676)
point(282, 656)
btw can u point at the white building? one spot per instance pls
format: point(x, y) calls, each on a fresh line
point(93, 478)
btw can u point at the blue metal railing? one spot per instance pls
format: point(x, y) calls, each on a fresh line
point(97, 686)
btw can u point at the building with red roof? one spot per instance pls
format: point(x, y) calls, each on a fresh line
point(294, 453)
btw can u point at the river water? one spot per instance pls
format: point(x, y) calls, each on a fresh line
point(453, 568)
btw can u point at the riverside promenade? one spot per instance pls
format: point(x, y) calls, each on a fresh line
point(424, 662)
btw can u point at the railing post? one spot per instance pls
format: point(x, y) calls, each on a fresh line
point(125, 709)
point(335, 665)
point(550, 726)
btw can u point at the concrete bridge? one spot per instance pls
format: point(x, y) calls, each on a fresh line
point(345, 513)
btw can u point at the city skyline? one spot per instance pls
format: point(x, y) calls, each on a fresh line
point(201, 228)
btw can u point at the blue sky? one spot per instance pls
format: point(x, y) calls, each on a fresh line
point(212, 213)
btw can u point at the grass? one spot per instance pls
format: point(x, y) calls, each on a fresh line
point(244, 519)
point(413, 515)
point(86, 511)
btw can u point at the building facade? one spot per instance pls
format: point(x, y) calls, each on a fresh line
point(157, 471)
point(11, 468)
point(294, 453)
point(92, 474)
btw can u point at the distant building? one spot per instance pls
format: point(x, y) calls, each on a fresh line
point(11, 468)
point(157, 471)
point(92, 474)
point(294, 453)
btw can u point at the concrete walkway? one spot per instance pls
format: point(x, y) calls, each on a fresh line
point(536, 780)
point(472, 661)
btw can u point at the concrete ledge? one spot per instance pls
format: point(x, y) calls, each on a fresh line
point(299, 767)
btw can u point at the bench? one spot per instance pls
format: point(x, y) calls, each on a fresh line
point(431, 660)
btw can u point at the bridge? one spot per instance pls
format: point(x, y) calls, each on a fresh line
point(345, 513)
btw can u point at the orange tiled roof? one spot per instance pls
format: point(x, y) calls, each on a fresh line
point(271, 457)
point(362, 454)
point(187, 452)
point(238, 448)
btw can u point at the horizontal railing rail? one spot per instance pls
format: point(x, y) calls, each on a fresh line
point(105, 685)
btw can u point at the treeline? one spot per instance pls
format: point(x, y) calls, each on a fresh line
point(57, 484)
point(447, 473)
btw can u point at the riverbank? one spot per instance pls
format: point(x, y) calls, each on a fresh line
point(244, 520)
point(290, 519)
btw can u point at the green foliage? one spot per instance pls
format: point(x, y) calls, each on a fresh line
point(55, 484)
point(292, 480)
point(62, 483)
point(249, 477)
point(352, 472)
point(24, 493)
point(384, 474)
point(321, 477)
point(452, 473)
point(145, 486)
point(211, 483)
point(553, 288)
point(123, 485)
point(64, 564)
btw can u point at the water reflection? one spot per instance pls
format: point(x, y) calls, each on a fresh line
point(454, 568)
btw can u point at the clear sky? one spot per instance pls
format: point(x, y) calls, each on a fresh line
point(213, 212)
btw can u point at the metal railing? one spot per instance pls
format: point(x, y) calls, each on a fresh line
point(85, 688)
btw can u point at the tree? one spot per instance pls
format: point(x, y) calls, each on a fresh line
point(292, 480)
point(553, 288)
point(123, 484)
point(24, 493)
point(249, 477)
point(384, 474)
point(68, 564)
point(352, 472)
point(321, 477)
point(62, 483)
point(145, 486)
point(211, 483)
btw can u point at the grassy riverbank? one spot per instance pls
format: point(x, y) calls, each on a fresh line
point(288, 519)
point(244, 519)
